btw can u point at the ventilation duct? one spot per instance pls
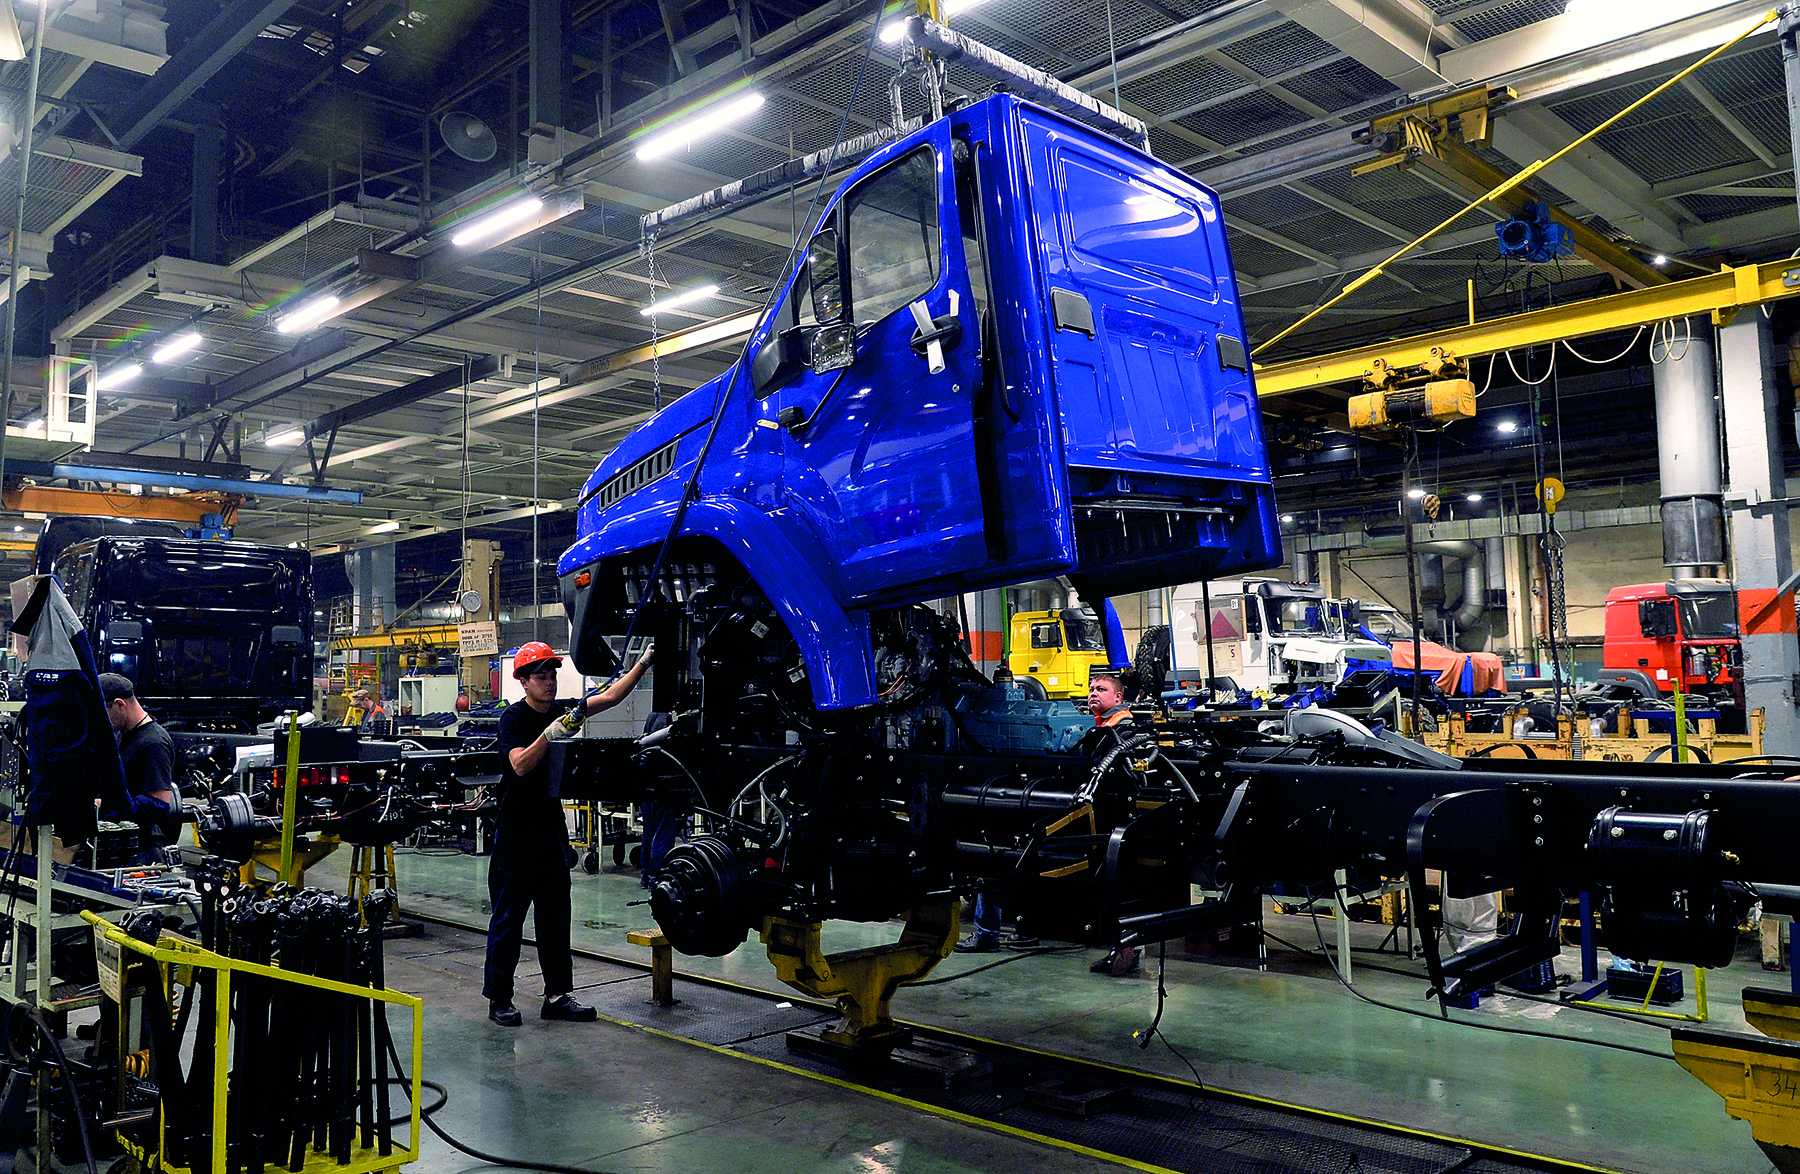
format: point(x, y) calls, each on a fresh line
point(1687, 449)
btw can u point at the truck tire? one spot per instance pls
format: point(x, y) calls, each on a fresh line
point(1151, 664)
point(1032, 688)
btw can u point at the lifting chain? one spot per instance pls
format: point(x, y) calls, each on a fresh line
point(648, 248)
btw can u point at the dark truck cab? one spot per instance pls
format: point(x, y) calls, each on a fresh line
point(212, 634)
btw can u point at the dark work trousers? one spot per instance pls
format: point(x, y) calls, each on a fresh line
point(524, 872)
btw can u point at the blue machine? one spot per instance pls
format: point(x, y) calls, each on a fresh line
point(1013, 350)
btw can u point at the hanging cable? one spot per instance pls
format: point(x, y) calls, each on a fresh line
point(1664, 332)
point(12, 274)
point(1637, 334)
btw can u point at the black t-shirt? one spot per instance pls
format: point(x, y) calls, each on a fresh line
point(525, 801)
point(148, 756)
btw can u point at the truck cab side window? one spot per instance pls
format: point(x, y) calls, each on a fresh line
point(893, 237)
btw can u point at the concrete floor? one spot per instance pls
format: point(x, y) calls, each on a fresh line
point(618, 1099)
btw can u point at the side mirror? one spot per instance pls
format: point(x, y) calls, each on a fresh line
point(1252, 616)
point(782, 357)
point(827, 279)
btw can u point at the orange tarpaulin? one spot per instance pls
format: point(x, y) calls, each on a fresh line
point(1458, 673)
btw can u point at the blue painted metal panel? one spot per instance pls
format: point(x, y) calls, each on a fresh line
point(905, 484)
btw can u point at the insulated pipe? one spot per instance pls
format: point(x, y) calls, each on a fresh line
point(1494, 554)
point(1475, 583)
point(1431, 579)
point(1687, 449)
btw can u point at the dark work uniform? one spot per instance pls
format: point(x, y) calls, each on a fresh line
point(530, 864)
point(148, 756)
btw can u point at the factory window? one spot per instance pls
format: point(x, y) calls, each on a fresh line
point(893, 237)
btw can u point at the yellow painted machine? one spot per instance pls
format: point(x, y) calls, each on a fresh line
point(1058, 649)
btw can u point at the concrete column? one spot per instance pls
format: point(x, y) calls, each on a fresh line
point(1687, 449)
point(1519, 629)
point(1759, 534)
point(481, 575)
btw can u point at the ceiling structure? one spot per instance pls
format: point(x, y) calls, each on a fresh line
point(283, 150)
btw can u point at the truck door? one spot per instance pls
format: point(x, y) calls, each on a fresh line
point(880, 456)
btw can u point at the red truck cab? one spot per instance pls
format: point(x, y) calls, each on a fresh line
point(1686, 629)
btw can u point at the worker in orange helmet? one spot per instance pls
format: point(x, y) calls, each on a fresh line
point(529, 867)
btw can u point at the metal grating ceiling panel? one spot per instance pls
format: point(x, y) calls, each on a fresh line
point(1394, 194)
point(1181, 86)
point(1243, 118)
point(323, 248)
point(1643, 146)
point(1340, 84)
point(1722, 207)
point(1271, 207)
point(1259, 258)
point(1487, 22)
point(1278, 50)
point(1335, 235)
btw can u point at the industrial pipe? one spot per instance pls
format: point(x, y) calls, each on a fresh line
point(1687, 449)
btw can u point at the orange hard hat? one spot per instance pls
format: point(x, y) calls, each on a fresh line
point(531, 654)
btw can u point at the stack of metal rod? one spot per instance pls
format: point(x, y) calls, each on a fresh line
point(308, 1067)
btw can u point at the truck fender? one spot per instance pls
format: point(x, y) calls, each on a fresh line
point(834, 643)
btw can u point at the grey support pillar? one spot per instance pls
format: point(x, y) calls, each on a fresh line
point(549, 82)
point(1759, 529)
point(1687, 449)
point(209, 146)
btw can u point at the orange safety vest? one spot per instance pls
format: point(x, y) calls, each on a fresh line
point(1119, 714)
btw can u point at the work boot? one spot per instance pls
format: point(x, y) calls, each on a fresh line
point(566, 1008)
point(1119, 961)
point(1020, 941)
point(977, 943)
point(505, 1014)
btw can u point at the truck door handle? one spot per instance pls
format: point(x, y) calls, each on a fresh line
point(934, 334)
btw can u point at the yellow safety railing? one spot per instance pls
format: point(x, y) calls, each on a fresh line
point(173, 950)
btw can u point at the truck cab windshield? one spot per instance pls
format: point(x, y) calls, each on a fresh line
point(1386, 626)
point(1712, 614)
point(1083, 629)
point(1295, 617)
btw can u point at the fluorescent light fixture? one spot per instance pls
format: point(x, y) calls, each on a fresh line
point(180, 345)
point(497, 220)
point(382, 528)
point(1415, 493)
point(1507, 427)
point(309, 315)
point(696, 125)
point(119, 376)
point(698, 293)
point(1473, 498)
point(285, 439)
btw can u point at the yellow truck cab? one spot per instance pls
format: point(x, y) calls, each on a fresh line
point(1057, 650)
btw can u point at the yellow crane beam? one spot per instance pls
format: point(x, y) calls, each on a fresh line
point(423, 636)
point(48, 499)
point(1721, 295)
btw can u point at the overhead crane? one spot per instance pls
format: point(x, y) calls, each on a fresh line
point(1721, 296)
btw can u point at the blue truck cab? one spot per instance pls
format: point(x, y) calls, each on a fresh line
point(1013, 350)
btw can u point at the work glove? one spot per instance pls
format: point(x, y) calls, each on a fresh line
point(568, 725)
